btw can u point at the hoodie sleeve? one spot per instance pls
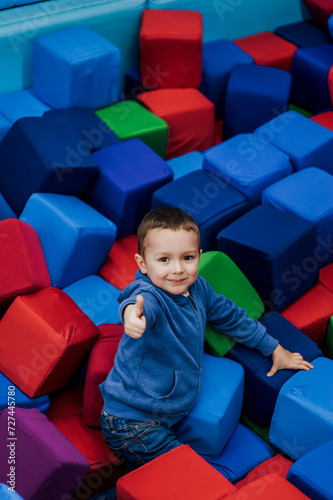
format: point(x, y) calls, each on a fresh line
point(228, 318)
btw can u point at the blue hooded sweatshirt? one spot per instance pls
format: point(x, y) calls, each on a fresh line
point(158, 376)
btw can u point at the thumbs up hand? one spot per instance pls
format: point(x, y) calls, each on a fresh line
point(134, 321)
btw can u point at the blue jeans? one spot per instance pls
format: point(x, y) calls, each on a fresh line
point(135, 441)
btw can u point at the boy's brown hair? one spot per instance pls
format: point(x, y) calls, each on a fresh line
point(165, 218)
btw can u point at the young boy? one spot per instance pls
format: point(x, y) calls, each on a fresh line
point(157, 371)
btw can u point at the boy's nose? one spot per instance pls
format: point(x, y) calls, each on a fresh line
point(177, 268)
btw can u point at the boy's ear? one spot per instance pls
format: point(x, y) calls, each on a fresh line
point(141, 263)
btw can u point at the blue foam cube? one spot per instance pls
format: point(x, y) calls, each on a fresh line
point(21, 104)
point(260, 391)
point(43, 154)
point(307, 143)
point(76, 67)
point(76, 239)
point(96, 298)
point(19, 398)
point(129, 173)
point(5, 211)
point(303, 416)
point(235, 460)
point(185, 164)
point(255, 94)
point(303, 34)
point(246, 167)
point(208, 199)
point(269, 246)
point(216, 412)
point(219, 57)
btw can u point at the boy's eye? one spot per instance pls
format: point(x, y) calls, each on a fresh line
point(188, 257)
point(163, 259)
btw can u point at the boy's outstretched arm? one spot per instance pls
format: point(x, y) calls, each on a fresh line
point(282, 358)
point(134, 321)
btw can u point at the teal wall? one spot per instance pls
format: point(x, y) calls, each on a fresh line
point(119, 22)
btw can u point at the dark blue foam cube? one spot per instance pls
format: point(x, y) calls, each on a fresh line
point(94, 132)
point(303, 34)
point(219, 57)
point(208, 199)
point(129, 173)
point(40, 154)
point(269, 245)
point(261, 392)
point(255, 94)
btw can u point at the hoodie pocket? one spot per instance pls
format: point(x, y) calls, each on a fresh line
point(181, 398)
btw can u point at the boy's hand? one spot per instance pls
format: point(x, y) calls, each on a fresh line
point(134, 321)
point(282, 358)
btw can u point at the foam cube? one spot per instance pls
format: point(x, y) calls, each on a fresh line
point(311, 312)
point(120, 267)
point(270, 486)
point(129, 119)
point(325, 119)
point(219, 57)
point(226, 278)
point(44, 339)
point(5, 125)
point(303, 34)
point(247, 169)
point(216, 412)
point(189, 477)
point(94, 132)
point(190, 117)
point(260, 391)
point(22, 263)
point(270, 247)
point(129, 174)
point(185, 164)
point(307, 143)
point(278, 465)
point(307, 193)
point(312, 473)
point(7, 494)
point(97, 298)
point(326, 276)
point(268, 49)
point(12, 396)
point(40, 154)
point(235, 461)
point(255, 94)
point(21, 104)
point(5, 211)
point(303, 416)
point(310, 72)
point(75, 238)
point(75, 67)
point(171, 48)
point(209, 200)
point(320, 10)
point(100, 363)
point(47, 465)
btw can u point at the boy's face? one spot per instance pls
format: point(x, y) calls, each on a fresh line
point(171, 259)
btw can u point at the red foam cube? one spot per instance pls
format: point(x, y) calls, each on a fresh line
point(44, 338)
point(320, 10)
point(120, 266)
point(326, 118)
point(311, 312)
point(180, 474)
point(272, 487)
point(100, 363)
point(326, 276)
point(170, 48)
point(278, 465)
point(22, 263)
point(190, 117)
point(268, 49)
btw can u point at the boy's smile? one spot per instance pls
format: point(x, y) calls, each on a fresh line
point(171, 259)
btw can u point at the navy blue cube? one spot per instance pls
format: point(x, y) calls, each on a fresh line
point(271, 247)
point(43, 154)
point(209, 200)
point(260, 391)
point(219, 57)
point(303, 34)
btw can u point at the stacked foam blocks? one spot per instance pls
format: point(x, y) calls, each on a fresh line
point(240, 135)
